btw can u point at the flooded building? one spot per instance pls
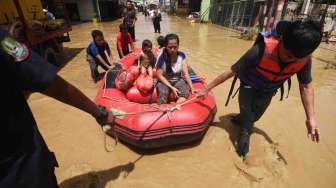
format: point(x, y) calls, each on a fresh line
point(86, 10)
point(263, 14)
point(185, 6)
point(245, 13)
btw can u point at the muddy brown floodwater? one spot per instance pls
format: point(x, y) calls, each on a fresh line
point(280, 156)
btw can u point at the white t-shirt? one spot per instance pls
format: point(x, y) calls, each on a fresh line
point(177, 67)
point(151, 13)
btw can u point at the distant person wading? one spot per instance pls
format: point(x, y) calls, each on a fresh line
point(130, 19)
point(156, 21)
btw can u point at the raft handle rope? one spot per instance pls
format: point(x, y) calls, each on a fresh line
point(107, 128)
point(231, 90)
point(169, 109)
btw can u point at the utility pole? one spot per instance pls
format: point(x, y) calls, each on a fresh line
point(305, 7)
point(325, 12)
point(98, 10)
point(269, 17)
point(278, 11)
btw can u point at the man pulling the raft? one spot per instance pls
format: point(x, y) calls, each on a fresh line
point(264, 69)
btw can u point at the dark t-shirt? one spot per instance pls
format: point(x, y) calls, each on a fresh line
point(252, 57)
point(157, 19)
point(129, 17)
point(18, 126)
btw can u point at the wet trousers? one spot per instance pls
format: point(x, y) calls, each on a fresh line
point(252, 105)
point(157, 27)
point(131, 30)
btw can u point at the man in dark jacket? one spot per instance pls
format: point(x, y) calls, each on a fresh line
point(265, 67)
point(156, 21)
point(25, 160)
point(130, 18)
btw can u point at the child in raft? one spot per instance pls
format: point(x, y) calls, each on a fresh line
point(146, 58)
point(161, 42)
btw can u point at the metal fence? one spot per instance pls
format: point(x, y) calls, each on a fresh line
point(236, 13)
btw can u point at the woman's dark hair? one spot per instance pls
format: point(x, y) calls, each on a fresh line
point(147, 43)
point(165, 54)
point(96, 33)
point(123, 27)
point(302, 37)
point(172, 36)
point(161, 41)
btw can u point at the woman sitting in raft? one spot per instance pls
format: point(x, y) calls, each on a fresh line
point(172, 72)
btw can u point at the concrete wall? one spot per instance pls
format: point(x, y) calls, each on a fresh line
point(85, 9)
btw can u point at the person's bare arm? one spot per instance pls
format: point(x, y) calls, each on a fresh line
point(166, 82)
point(249, 60)
point(132, 46)
point(121, 52)
point(150, 71)
point(119, 47)
point(102, 62)
point(109, 57)
point(186, 75)
point(307, 98)
point(218, 80)
point(162, 78)
point(63, 91)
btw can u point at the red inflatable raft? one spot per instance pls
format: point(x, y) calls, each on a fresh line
point(152, 125)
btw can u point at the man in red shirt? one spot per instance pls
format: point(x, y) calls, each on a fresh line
point(124, 39)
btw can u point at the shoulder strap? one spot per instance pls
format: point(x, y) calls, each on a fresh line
point(282, 90)
point(231, 90)
point(289, 84)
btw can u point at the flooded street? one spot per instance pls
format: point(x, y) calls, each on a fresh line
point(280, 153)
